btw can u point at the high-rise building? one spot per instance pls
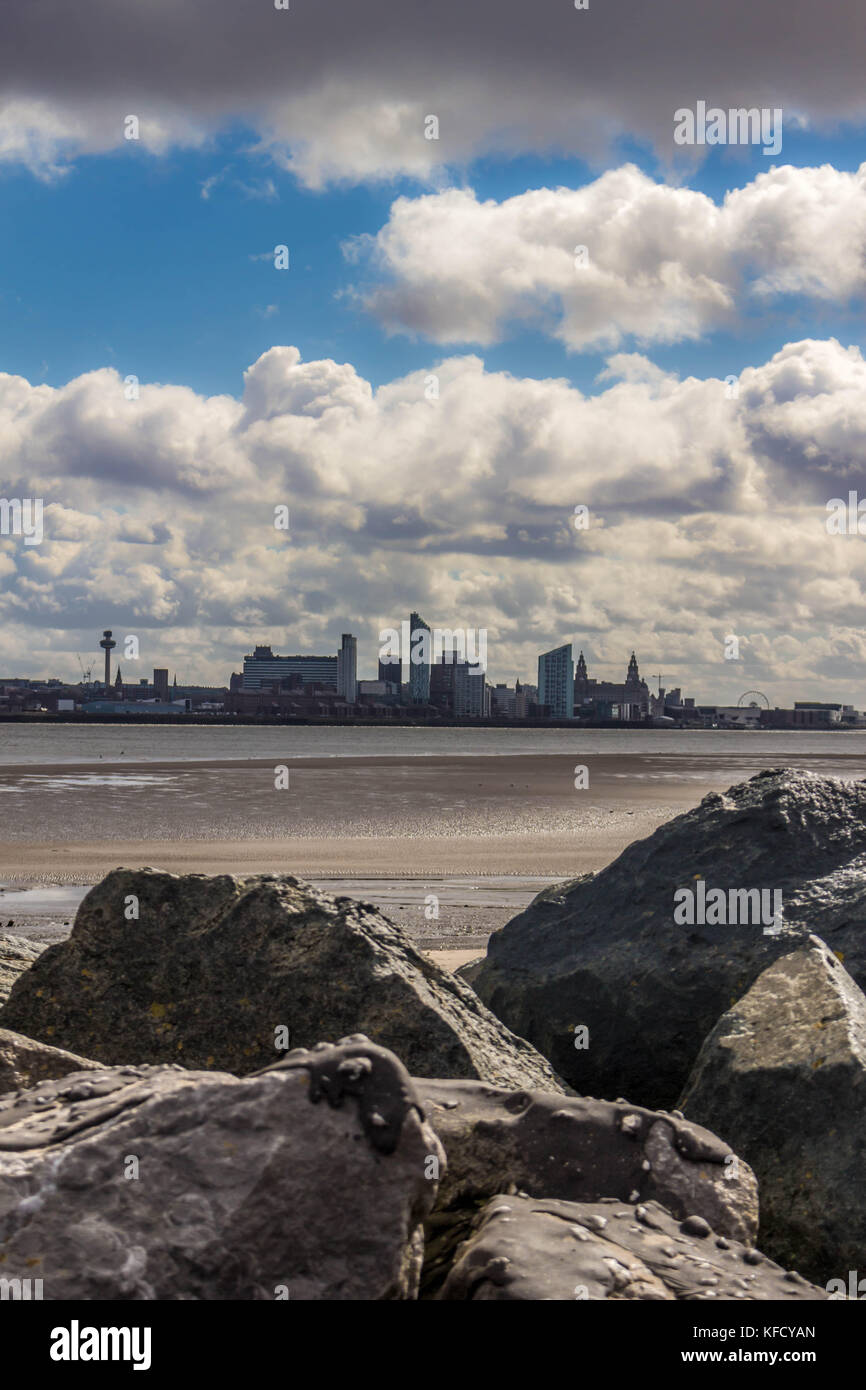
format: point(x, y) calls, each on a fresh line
point(442, 674)
point(556, 681)
point(160, 683)
point(263, 669)
point(391, 672)
point(347, 668)
point(471, 692)
point(420, 646)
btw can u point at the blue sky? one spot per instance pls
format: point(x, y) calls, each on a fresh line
point(123, 262)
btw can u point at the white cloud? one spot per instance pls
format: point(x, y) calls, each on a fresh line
point(660, 264)
point(707, 517)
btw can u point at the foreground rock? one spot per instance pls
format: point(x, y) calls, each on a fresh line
point(307, 1181)
point(17, 954)
point(216, 972)
point(24, 1062)
point(576, 1149)
point(605, 953)
point(783, 1076)
point(525, 1248)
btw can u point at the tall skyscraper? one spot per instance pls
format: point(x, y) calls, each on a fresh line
point(347, 668)
point(442, 681)
point(471, 692)
point(556, 681)
point(392, 672)
point(420, 645)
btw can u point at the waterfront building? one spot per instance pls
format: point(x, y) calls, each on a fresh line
point(442, 682)
point(419, 671)
point(347, 668)
point(471, 692)
point(556, 682)
point(391, 673)
point(627, 701)
point(263, 669)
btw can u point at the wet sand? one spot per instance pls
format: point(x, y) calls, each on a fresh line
point(366, 822)
point(374, 816)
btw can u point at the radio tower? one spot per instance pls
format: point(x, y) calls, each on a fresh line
point(107, 646)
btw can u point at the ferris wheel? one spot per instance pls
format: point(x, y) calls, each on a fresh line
point(754, 701)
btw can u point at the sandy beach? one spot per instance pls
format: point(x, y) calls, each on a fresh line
point(483, 834)
point(373, 817)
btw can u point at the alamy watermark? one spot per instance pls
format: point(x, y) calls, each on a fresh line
point(20, 1289)
point(738, 126)
point(733, 907)
point(22, 516)
point(423, 646)
point(846, 518)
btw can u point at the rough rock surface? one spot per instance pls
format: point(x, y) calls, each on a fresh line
point(783, 1076)
point(212, 967)
point(24, 1062)
point(245, 1189)
point(17, 954)
point(605, 952)
point(579, 1150)
point(526, 1248)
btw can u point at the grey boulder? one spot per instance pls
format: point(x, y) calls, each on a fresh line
point(578, 1150)
point(310, 1180)
point(605, 953)
point(224, 971)
point(24, 1062)
point(524, 1248)
point(17, 954)
point(783, 1076)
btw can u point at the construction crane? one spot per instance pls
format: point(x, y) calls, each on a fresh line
point(86, 671)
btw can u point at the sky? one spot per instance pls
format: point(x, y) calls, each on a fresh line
point(552, 304)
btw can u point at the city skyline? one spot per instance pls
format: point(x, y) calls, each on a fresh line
point(564, 685)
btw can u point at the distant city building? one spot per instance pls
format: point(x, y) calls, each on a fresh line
point(442, 674)
point(471, 692)
point(347, 668)
point(141, 707)
point(391, 673)
point(556, 682)
point(107, 644)
point(419, 671)
point(511, 704)
point(628, 701)
point(160, 682)
point(263, 669)
point(732, 716)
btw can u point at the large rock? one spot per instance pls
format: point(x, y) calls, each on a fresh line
point(17, 954)
point(783, 1076)
point(579, 1150)
point(159, 1183)
point(206, 972)
point(605, 952)
point(525, 1248)
point(24, 1062)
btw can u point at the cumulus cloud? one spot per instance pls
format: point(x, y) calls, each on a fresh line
point(707, 517)
point(342, 90)
point(622, 257)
